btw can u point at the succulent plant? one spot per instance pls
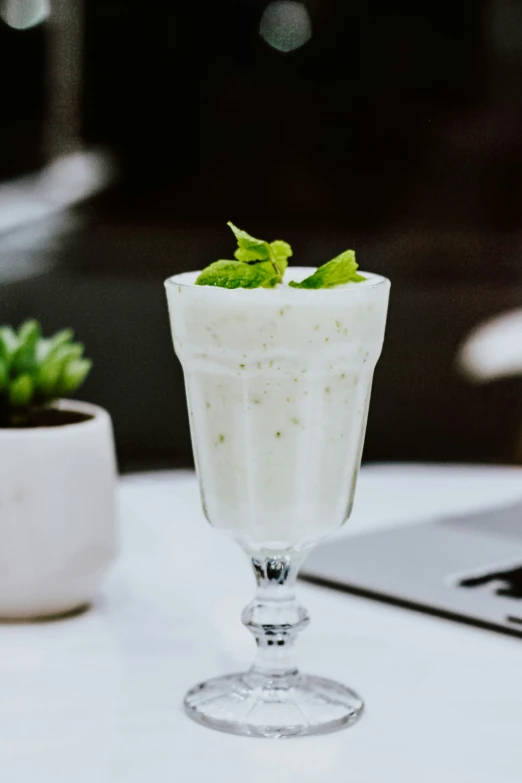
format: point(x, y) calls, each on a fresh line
point(35, 370)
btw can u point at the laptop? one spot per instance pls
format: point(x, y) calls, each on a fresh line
point(466, 567)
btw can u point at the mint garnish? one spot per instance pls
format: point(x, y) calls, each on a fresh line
point(236, 274)
point(258, 264)
point(250, 249)
point(280, 252)
point(341, 269)
point(262, 264)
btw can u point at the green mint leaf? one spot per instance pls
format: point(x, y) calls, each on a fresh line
point(235, 274)
point(252, 255)
point(251, 250)
point(268, 262)
point(280, 252)
point(21, 390)
point(340, 270)
point(270, 276)
point(257, 248)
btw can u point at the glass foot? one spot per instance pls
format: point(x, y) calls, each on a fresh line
point(238, 705)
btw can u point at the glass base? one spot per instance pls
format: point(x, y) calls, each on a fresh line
point(307, 705)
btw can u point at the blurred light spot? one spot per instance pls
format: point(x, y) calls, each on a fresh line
point(285, 25)
point(23, 14)
point(494, 349)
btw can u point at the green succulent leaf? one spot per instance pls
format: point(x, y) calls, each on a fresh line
point(62, 337)
point(65, 353)
point(50, 374)
point(73, 375)
point(24, 360)
point(43, 348)
point(8, 343)
point(29, 332)
point(34, 369)
point(21, 390)
point(4, 374)
point(46, 381)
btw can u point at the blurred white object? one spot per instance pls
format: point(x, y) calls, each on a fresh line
point(57, 517)
point(65, 181)
point(494, 349)
point(24, 14)
point(285, 25)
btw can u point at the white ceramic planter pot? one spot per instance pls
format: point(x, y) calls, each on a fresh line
point(57, 514)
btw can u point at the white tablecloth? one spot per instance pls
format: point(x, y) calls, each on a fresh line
point(97, 698)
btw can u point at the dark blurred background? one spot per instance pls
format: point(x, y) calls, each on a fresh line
point(131, 132)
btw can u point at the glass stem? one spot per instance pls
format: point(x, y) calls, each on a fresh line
point(275, 618)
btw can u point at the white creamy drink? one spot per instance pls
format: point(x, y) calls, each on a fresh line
point(278, 387)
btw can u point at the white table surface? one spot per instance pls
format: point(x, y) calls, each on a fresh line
point(96, 698)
